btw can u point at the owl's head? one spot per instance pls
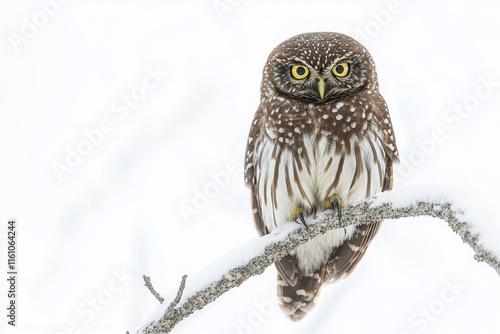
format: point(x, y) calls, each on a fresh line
point(318, 67)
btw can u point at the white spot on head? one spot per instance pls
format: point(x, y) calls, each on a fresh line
point(339, 117)
point(339, 105)
point(325, 116)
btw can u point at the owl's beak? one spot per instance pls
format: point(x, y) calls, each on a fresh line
point(321, 88)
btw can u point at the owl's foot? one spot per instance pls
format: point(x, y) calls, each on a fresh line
point(335, 203)
point(298, 213)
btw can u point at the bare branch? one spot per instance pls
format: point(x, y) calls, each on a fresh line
point(284, 240)
point(177, 299)
point(147, 283)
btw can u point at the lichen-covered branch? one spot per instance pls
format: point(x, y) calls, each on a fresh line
point(149, 285)
point(286, 239)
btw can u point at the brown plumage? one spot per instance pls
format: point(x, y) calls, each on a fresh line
point(322, 131)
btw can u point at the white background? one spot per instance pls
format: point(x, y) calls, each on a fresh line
point(117, 212)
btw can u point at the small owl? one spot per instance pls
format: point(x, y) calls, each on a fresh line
point(321, 139)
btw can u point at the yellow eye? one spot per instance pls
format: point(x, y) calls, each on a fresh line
point(341, 70)
point(300, 72)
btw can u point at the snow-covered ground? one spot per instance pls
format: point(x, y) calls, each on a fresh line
point(122, 129)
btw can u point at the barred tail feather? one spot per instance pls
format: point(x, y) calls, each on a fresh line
point(296, 301)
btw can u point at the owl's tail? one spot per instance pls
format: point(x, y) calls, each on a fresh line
point(297, 300)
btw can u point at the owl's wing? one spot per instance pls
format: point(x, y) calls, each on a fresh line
point(250, 180)
point(287, 267)
point(257, 219)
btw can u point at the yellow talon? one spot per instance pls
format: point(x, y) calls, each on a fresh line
point(299, 213)
point(295, 213)
point(331, 200)
point(335, 203)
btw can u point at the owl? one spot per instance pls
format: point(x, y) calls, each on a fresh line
point(321, 139)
